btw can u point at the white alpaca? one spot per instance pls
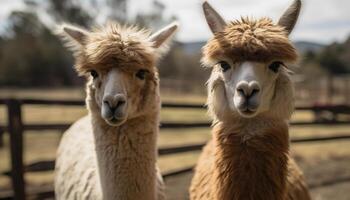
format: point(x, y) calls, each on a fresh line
point(250, 97)
point(111, 153)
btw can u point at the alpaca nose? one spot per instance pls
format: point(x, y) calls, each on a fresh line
point(248, 90)
point(114, 102)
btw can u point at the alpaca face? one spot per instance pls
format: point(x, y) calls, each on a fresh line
point(247, 58)
point(249, 86)
point(119, 63)
point(124, 94)
point(250, 89)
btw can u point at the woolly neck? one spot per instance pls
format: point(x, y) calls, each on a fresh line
point(126, 157)
point(251, 160)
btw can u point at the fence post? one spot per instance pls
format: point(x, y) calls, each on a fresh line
point(2, 133)
point(1, 138)
point(15, 129)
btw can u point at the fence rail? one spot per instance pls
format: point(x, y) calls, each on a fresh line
point(16, 128)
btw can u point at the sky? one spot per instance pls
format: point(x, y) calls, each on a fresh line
point(322, 21)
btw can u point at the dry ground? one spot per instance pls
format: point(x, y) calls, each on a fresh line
point(321, 161)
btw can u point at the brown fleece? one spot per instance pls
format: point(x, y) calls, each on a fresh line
point(249, 159)
point(115, 45)
point(250, 40)
point(251, 169)
point(237, 165)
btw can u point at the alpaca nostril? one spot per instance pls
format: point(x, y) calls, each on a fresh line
point(241, 92)
point(254, 91)
point(114, 103)
point(248, 90)
point(106, 103)
point(109, 105)
point(243, 88)
point(119, 100)
point(120, 103)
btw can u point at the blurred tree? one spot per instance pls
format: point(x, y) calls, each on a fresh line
point(333, 60)
point(31, 55)
point(69, 11)
point(330, 59)
point(87, 12)
point(183, 70)
point(72, 11)
point(153, 18)
point(309, 56)
point(117, 10)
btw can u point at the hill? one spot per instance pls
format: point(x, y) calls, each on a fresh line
point(304, 46)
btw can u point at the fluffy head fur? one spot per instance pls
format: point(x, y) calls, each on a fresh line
point(250, 40)
point(111, 46)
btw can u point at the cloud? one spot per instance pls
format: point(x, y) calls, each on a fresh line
point(321, 21)
point(6, 6)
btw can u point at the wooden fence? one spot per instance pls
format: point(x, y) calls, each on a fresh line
point(15, 127)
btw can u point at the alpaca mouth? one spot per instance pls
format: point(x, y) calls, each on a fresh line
point(115, 121)
point(247, 109)
point(248, 113)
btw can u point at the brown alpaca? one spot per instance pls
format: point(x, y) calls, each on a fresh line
point(250, 97)
point(112, 152)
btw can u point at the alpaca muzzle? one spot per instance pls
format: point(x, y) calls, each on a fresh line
point(114, 109)
point(246, 98)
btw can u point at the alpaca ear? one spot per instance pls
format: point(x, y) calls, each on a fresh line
point(160, 37)
point(77, 34)
point(290, 16)
point(215, 21)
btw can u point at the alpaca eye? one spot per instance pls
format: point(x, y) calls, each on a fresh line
point(275, 66)
point(94, 74)
point(224, 66)
point(141, 74)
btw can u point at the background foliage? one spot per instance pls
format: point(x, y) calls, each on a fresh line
point(32, 56)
